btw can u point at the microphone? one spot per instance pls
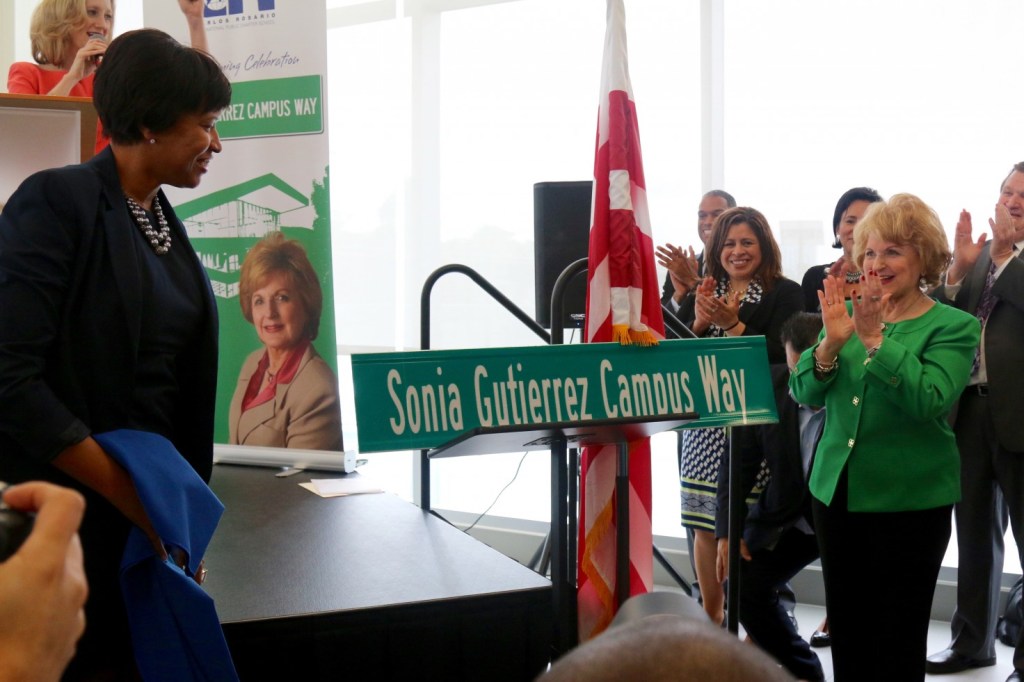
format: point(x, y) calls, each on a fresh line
point(94, 35)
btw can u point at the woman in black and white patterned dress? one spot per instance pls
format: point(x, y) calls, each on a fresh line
point(744, 294)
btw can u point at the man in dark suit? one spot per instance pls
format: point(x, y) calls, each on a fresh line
point(685, 268)
point(987, 278)
point(778, 540)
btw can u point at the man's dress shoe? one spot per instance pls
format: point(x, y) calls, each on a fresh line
point(1014, 676)
point(821, 639)
point(948, 661)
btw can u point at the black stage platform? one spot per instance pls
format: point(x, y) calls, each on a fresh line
point(365, 587)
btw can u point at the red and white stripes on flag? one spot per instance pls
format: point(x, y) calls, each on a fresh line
point(623, 304)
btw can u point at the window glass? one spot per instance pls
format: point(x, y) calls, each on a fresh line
point(903, 97)
point(520, 85)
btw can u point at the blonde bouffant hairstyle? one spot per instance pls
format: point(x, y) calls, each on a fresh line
point(53, 22)
point(906, 220)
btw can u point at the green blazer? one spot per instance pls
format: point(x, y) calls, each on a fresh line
point(885, 418)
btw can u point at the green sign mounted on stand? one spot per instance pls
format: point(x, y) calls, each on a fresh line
point(424, 399)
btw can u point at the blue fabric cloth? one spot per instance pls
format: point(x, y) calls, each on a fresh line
point(175, 629)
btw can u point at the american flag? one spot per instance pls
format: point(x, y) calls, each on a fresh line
point(623, 304)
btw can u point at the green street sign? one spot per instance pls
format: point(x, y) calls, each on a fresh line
point(423, 399)
point(277, 106)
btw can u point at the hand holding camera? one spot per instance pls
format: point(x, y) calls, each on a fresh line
point(42, 581)
point(15, 526)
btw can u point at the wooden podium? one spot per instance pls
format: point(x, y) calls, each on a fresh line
point(39, 132)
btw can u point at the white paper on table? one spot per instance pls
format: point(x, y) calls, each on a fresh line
point(337, 487)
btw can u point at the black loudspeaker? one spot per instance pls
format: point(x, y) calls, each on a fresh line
point(561, 234)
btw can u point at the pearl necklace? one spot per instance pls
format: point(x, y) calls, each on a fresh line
point(159, 239)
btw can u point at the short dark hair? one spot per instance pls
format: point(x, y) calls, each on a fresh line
point(722, 194)
point(147, 79)
point(1017, 168)
point(801, 331)
point(770, 270)
point(849, 196)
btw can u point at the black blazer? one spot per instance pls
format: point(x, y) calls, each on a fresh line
point(812, 283)
point(70, 316)
point(71, 302)
point(1003, 336)
point(765, 318)
point(787, 497)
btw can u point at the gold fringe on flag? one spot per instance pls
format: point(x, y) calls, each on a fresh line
point(620, 333)
point(631, 337)
point(644, 338)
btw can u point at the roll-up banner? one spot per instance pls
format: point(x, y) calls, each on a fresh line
point(271, 177)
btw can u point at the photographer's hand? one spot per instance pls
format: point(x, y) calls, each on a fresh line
point(42, 586)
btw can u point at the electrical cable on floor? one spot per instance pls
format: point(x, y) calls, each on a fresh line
point(498, 496)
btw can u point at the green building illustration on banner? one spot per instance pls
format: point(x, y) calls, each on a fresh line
point(222, 225)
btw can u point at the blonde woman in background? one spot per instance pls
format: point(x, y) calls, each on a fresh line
point(69, 39)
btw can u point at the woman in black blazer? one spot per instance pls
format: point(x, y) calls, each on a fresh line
point(849, 210)
point(107, 319)
point(744, 294)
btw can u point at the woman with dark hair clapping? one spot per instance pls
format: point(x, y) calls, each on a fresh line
point(744, 294)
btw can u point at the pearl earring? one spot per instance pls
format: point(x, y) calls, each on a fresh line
point(152, 140)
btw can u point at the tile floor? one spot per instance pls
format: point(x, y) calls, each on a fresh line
point(938, 637)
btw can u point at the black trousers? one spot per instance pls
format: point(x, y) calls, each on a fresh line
point(880, 570)
point(992, 482)
point(763, 613)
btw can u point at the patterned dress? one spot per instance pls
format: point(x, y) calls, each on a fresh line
point(702, 449)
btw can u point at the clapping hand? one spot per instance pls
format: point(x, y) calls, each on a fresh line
point(841, 267)
point(868, 303)
point(681, 265)
point(965, 248)
point(1003, 236)
point(723, 312)
point(839, 326)
point(702, 305)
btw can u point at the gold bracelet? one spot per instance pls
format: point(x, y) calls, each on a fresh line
point(826, 368)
